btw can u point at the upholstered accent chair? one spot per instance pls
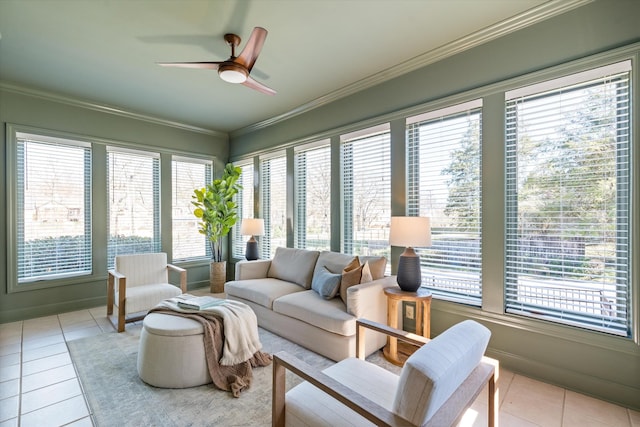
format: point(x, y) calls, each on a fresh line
point(138, 283)
point(435, 387)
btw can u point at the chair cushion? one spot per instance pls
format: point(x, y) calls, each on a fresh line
point(143, 269)
point(326, 283)
point(261, 291)
point(437, 369)
point(307, 405)
point(293, 265)
point(144, 298)
point(307, 306)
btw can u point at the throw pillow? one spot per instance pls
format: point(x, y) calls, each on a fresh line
point(366, 273)
point(326, 283)
point(377, 265)
point(350, 276)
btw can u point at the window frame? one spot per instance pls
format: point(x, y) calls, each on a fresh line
point(347, 141)
point(413, 133)
point(208, 172)
point(266, 248)
point(237, 241)
point(300, 202)
point(156, 184)
point(13, 285)
point(541, 90)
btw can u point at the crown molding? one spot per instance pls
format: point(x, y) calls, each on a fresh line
point(530, 17)
point(103, 108)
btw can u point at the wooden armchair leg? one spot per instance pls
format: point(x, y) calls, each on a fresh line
point(122, 295)
point(278, 394)
point(110, 295)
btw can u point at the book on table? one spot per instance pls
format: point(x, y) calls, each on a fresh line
point(200, 303)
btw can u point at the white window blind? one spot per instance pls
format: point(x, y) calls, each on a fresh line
point(313, 197)
point(133, 180)
point(273, 187)
point(366, 192)
point(443, 183)
point(568, 200)
point(187, 175)
point(54, 207)
point(244, 200)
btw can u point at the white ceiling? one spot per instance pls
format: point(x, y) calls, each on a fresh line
point(104, 51)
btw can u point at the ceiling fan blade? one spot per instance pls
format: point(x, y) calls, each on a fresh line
point(253, 84)
point(252, 49)
point(202, 65)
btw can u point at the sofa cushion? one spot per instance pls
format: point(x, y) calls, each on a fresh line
point(326, 283)
point(431, 375)
point(307, 306)
point(293, 265)
point(351, 276)
point(261, 291)
point(377, 264)
point(366, 273)
point(334, 261)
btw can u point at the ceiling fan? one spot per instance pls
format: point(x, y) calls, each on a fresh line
point(236, 69)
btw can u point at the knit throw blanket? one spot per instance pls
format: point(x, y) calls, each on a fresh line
point(232, 345)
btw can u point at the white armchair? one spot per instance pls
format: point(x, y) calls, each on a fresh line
point(142, 282)
point(437, 383)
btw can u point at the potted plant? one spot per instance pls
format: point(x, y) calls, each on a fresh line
point(218, 213)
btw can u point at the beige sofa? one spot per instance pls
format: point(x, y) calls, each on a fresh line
point(284, 294)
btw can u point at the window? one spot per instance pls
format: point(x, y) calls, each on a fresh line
point(244, 200)
point(53, 209)
point(568, 200)
point(133, 185)
point(313, 197)
point(443, 176)
point(273, 191)
point(366, 191)
point(187, 174)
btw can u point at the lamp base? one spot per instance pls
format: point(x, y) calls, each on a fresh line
point(409, 275)
point(251, 253)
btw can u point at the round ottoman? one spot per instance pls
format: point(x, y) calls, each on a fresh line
point(171, 352)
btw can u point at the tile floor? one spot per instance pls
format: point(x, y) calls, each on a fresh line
point(39, 387)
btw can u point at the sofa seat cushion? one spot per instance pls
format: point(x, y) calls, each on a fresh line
point(261, 291)
point(307, 306)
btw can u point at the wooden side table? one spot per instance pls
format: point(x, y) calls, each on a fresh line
point(398, 353)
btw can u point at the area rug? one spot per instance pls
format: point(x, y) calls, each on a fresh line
point(106, 366)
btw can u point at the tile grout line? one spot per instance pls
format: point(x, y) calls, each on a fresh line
point(20, 382)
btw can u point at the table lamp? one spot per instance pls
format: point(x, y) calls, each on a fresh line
point(410, 232)
point(252, 227)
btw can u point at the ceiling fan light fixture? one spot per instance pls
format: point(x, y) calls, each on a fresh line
point(232, 73)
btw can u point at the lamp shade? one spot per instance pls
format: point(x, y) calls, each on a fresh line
point(410, 231)
point(252, 227)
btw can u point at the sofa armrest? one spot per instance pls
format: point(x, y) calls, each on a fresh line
point(368, 301)
point(252, 269)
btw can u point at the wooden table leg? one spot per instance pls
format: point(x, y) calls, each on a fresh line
point(419, 318)
point(392, 319)
point(426, 313)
